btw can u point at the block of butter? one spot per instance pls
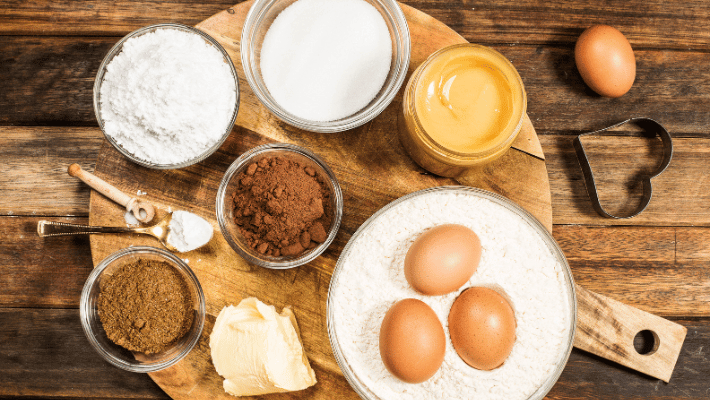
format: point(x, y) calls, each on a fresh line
point(259, 351)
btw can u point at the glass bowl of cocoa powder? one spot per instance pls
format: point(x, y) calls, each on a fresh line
point(142, 309)
point(279, 206)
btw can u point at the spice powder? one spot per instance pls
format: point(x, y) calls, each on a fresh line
point(282, 207)
point(145, 306)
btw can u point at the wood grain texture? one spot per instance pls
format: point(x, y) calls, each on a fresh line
point(662, 270)
point(50, 83)
point(607, 328)
point(41, 273)
point(99, 18)
point(43, 353)
point(659, 270)
point(681, 194)
point(35, 180)
point(35, 159)
point(647, 24)
point(660, 267)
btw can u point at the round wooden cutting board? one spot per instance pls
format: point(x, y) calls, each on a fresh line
point(372, 169)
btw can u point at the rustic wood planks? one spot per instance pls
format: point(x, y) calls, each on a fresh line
point(49, 53)
point(49, 82)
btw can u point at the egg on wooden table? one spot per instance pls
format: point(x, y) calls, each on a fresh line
point(442, 259)
point(412, 341)
point(605, 60)
point(482, 328)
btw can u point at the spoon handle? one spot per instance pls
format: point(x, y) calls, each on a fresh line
point(50, 228)
point(142, 210)
point(99, 185)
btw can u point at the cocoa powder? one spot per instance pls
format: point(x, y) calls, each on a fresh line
point(282, 206)
point(145, 306)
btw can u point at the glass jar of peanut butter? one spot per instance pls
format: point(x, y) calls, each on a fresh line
point(463, 107)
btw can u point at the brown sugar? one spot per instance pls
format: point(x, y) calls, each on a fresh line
point(282, 207)
point(145, 306)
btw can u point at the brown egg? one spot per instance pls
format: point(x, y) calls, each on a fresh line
point(412, 341)
point(605, 60)
point(482, 327)
point(442, 259)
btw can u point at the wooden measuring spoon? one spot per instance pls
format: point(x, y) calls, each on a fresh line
point(142, 210)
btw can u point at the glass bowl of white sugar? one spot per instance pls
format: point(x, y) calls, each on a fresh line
point(325, 65)
point(166, 96)
point(519, 257)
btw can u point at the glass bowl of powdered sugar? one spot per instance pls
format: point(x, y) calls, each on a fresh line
point(325, 65)
point(166, 96)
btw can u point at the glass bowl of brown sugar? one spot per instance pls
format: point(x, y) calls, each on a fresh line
point(279, 206)
point(142, 309)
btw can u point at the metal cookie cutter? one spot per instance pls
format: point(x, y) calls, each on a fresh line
point(650, 128)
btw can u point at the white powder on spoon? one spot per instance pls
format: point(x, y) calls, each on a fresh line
point(188, 231)
point(514, 260)
point(168, 96)
point(324, 60)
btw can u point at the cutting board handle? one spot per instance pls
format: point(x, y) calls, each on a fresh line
point(607, 328)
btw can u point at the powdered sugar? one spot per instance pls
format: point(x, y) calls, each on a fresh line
point(324, 60)
point(515, 261)
point(168, 96)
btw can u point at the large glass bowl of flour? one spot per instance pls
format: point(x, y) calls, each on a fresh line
point(519, 258)
point(325, 65)
point(166, 96)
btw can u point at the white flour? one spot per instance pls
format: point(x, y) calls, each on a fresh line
point(168, 96)
point(188, 231)
point(514, 260)
point(324, 60)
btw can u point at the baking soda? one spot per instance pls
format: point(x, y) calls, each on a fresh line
point(515, 261)
point(324, 60)
point(168, 96)
point(188, 231)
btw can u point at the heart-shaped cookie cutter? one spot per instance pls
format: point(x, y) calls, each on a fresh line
point(647, 125)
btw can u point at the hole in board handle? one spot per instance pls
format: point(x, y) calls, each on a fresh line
point(646, 342)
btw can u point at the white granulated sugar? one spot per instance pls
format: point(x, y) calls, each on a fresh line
point(324, 60)
point(514, 260)
point(168, 96)
point(188, 231)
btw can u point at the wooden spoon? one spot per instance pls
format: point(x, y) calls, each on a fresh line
point(142, 210)
point(160, 230)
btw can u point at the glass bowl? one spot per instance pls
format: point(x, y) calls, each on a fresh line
point(225, 204)
point(117, 355)
point(116, 49)
point(257, 23)
point(337, 287)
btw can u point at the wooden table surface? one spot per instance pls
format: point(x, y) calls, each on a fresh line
point(658, 261)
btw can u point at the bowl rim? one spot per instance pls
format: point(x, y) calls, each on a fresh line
point(241, 162)
point(516, 84)
point(92, 280)
point(401, 55)
point(362, 390)
point(116, 50)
